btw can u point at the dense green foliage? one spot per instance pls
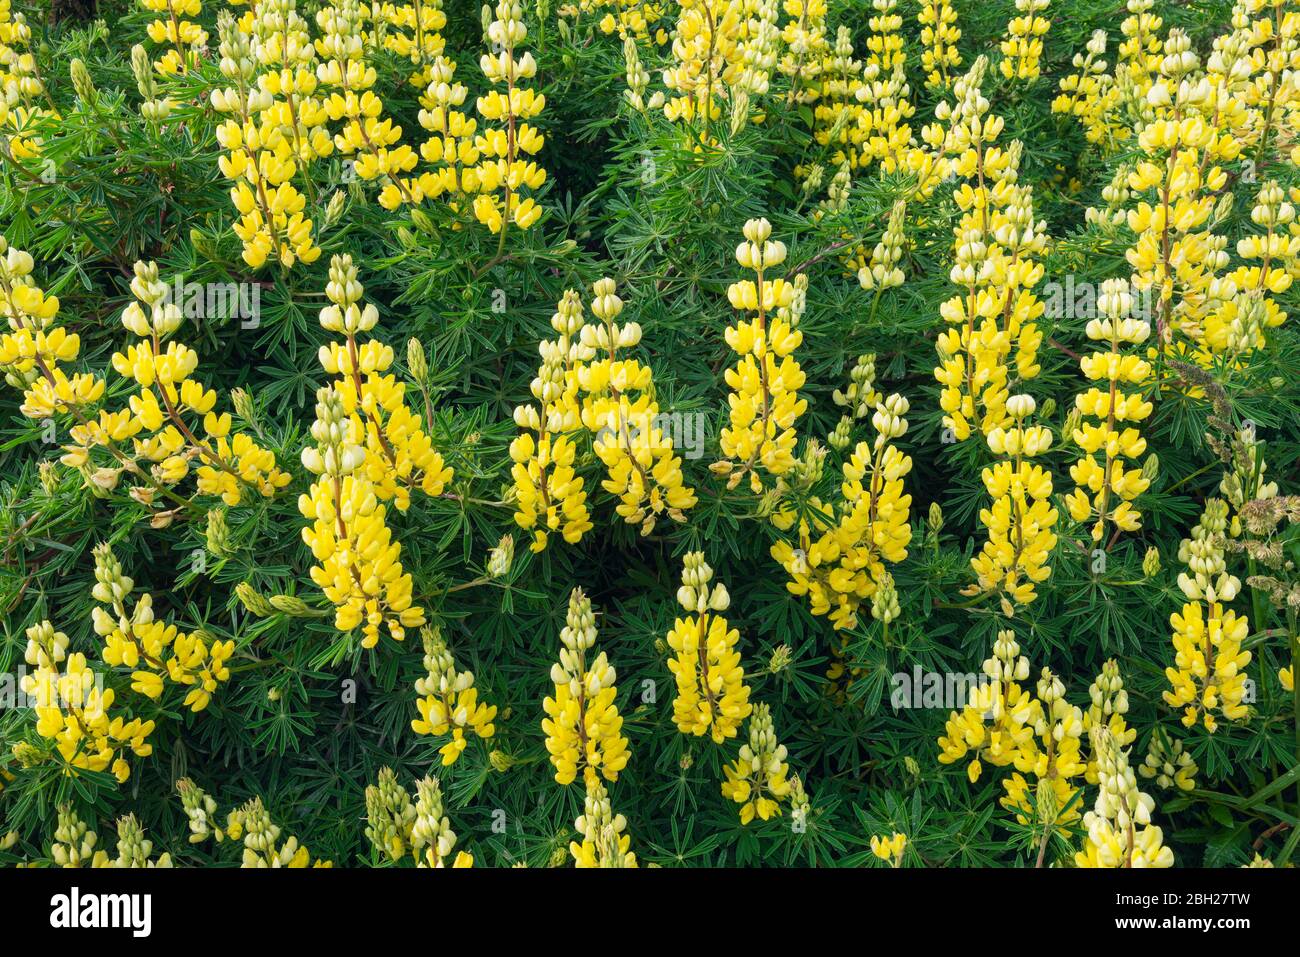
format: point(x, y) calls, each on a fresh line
point(308, 717)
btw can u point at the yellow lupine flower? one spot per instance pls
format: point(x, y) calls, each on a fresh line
point(889, 848)
point(1040, 734)
point(711, 692)
point(1168, 764)
point(504, 166)
point(370, 448)
point(583, 727)
point(183, 37)
point(1020, 521)
point(765, 383)
point(884, 134)
point(940, 57)
point(267, 58)
point(997, 723)
point(1090, 94)
point(372, 139)
point(1108, 708)
point(73, 710)
point(1236, 328)
point(549, 494)
point(1105, 487)
point(839, 558)
point(603, 842)
point(451, 148)
point(155, 651)
point(996, 243)
point(1022, 50)
point(359, 567)
point(33, 347)
point(448, 702)
point(804, 37)
point(415, 33)
point(1120, 832)
point(261, 838)
point(705, 66)
point(1175, 256)
point(758, 780)
point(1052, 759)
point(162, 435)
point(618, 408)
point(431, 831)
point(1209, 670)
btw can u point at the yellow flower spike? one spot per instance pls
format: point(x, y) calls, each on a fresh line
point(260, 158)
point(1038, 734)
point(550, 496)
point(373, 141)
point(838, 118)
point(1175, 256)
point(884, 134)
point(1020, 520)
point(1052, 759)
point(707, 64)
point(390, 816)
point(603, 842)
point(712, 695)
point(1104, 487)
point(758, 780)
point(1209, 670)
point(370, 449)
point(996, 724)
point(171, 409)
point(993, 335)
point(1090, 94)
point(156, 652)
point(1237, 327)
point(804, 37)
point(359, 567)
point(399, 456)
point(450, 148)
point(839, 558)
point(183, 37)
point(74, 842)
point(1168, 764)
point(1119, 828)
point(757, 50)
point(449, 702)
point(583, 727)
point(415, 33)
point(765, 383)
point(74, 713)
point(619, 409)
point(993, 320)
point(505, 148)
point(1022, 50)
point(262, 845)
point(432, 840)
point(34, 347)
point(1108, 708)
point(940, 57)
point(881, 271)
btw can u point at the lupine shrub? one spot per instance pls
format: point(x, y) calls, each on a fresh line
point(697, 432)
